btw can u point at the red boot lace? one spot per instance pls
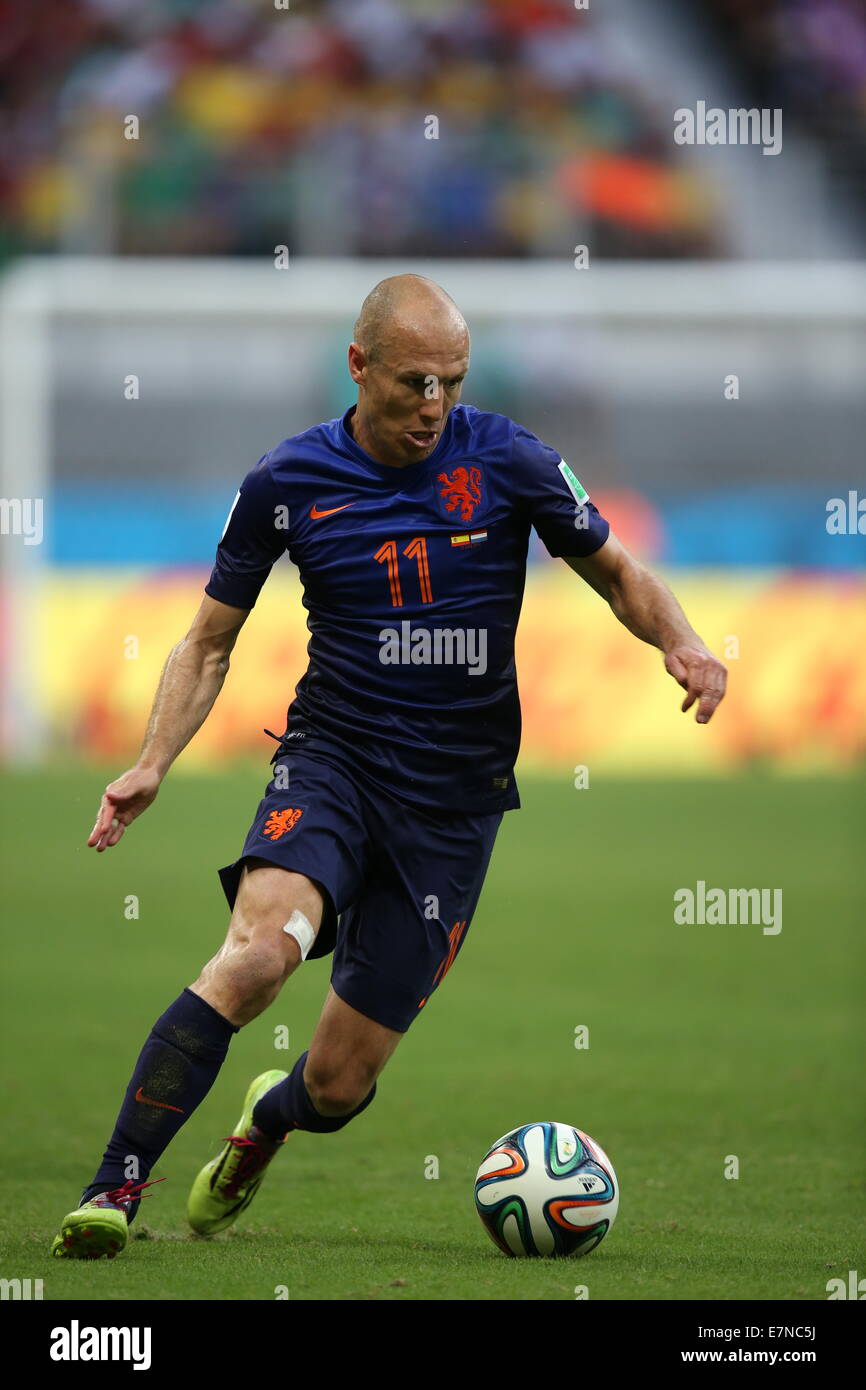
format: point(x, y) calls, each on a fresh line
point(250, 1164)
point(129, 1192)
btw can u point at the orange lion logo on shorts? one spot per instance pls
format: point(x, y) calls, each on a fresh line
point(279, 823)
point(462, 490)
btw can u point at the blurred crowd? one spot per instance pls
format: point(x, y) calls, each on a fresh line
point(809, 54)
point(808, 57)
point(307, 123)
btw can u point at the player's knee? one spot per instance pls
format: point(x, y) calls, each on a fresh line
point(258, 969)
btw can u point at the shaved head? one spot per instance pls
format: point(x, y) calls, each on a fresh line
point(408, 359)
point(406, 306)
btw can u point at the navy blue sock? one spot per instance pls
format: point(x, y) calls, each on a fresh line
point(175, 1070)
point(288, 1106)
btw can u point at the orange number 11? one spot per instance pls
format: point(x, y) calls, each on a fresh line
point(417, 548)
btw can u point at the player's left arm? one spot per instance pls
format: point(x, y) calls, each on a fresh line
point(647, 608)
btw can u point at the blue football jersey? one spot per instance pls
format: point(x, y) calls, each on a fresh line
point(413, 579)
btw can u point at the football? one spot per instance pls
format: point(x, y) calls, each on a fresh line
point(546, 1189)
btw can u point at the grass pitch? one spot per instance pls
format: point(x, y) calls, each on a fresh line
point(705, 1042)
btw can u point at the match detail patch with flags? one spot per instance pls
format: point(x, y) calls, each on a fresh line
point(575, 486)
point(469, 538)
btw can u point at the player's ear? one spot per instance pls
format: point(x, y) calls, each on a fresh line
point(357, 363)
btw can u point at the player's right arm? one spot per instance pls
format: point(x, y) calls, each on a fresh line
point(190, 682)
point(255, 535)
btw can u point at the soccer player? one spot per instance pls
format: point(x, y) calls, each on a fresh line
point(408, 519)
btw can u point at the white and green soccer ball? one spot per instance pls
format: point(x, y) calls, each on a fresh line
point(546, 1189)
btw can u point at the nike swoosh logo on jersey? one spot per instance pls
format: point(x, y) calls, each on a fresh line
point(329, 511)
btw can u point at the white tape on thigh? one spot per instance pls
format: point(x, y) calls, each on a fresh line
point(299, 927)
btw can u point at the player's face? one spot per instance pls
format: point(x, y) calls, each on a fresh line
point(405, 397)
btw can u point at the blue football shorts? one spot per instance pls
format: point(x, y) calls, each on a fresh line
point(400, 882)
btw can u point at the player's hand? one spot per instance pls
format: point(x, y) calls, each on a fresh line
point(122, 801)
point(701, 675)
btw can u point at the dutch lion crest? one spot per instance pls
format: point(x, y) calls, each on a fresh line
point(461, 491)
